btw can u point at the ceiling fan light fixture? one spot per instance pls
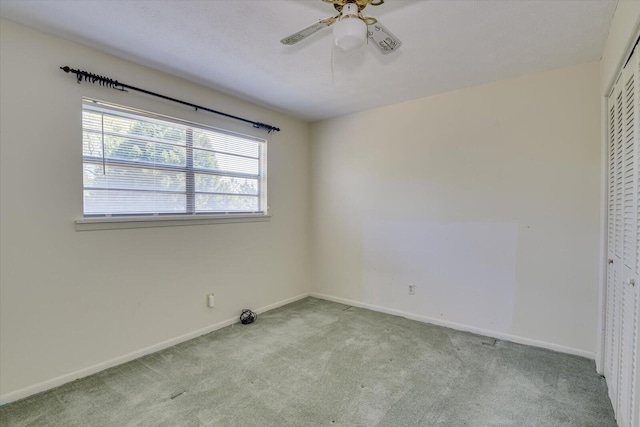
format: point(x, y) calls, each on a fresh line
point(350, 32)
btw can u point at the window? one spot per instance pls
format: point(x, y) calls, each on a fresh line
point(143, 164)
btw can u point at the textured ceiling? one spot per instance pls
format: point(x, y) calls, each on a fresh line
point(233, 45)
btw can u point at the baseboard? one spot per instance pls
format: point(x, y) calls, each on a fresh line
point(72, 376)
point(461, 327)
point(63, 379)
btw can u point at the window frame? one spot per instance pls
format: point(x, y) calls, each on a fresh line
point(101, 221)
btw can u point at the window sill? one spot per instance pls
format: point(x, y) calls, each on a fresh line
point(116, 223)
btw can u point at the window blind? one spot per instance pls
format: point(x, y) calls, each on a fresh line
point(141, 163)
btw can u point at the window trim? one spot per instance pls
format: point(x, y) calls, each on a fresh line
point(169, 220)
point(125, 221)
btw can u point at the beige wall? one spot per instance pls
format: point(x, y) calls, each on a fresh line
point(486, 199)
point(74, 300)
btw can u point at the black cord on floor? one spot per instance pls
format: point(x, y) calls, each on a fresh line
point(248, 316)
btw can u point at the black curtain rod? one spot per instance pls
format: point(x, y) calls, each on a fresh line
point(114, 84)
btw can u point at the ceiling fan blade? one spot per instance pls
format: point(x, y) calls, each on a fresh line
point(382, 38)
point(303, 34)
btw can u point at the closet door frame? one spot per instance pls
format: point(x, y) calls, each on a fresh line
point(604, 200)
point(618, 358)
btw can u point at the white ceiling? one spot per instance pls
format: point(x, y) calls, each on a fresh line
point(233, 45)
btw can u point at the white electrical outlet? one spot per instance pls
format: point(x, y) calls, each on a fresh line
point(412, 289)
point(211, 301)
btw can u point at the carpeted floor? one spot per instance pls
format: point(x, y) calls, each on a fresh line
point(318, 363)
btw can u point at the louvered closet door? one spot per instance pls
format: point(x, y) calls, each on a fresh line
point(611, 353)
point(622, 308)
point(628, 328)
point(615, 244)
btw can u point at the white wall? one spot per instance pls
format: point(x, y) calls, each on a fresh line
point(75, 300)
point(487, 199)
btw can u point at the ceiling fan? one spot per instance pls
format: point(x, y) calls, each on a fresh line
point(351, 29)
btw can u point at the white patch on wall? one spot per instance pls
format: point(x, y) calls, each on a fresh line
point(462, 272)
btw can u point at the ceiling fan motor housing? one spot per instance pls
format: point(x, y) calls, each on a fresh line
point(350, 32)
